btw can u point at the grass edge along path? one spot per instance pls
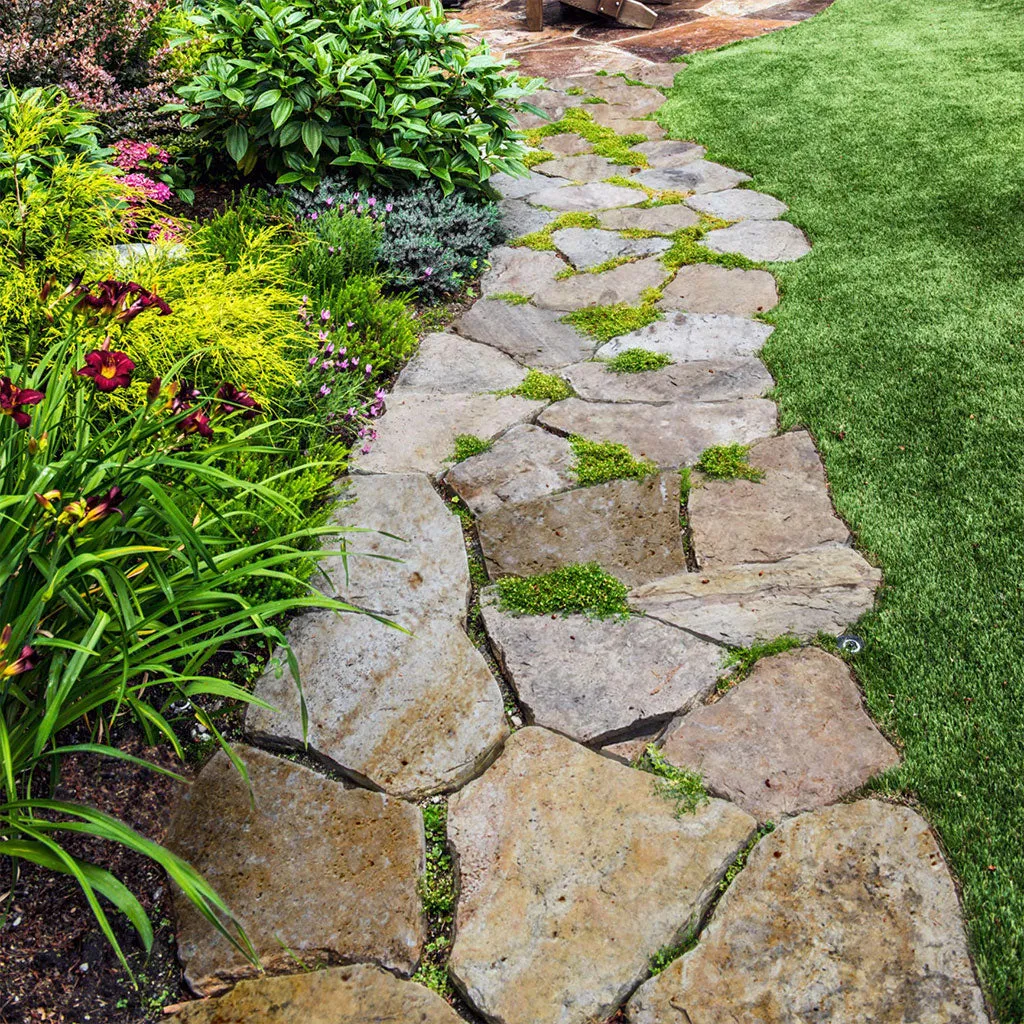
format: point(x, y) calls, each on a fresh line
point(895, 131)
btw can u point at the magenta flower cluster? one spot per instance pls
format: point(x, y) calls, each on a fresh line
point(131, 155)
point(154, 191)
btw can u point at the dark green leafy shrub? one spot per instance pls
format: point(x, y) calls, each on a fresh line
point(390, 90)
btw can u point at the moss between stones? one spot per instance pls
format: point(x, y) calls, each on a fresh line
point(597, 462)
point(728, 462)
point(660, 960)
point(637, 360)
point(580, 589)
point(541, 387)
point(743, 659)
point(540, 241)
point(684, 788)
point(437, 894)
point(686, 249)
point(607, 322)
point(604, 141)
point(538, 156)
point(512, 298)
point(468, 445)
point(744, 855)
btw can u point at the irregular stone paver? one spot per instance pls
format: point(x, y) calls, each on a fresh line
point(766, 241)
point(574, 871)
point(651, 130)
point(630, 100)
point(519, 271)
point(519, 218)
point(630, 527)
point(446, 364)
point(695, 176)
point(595, 681)
point(308, 867)
point(821, 591)
point(786, 512)
point(525, 463)
point(671, 435)
point(338, 995)
point(627, 751)
point(689, 382)
point(688, 336)
point(598, 195)
point(566, 144)
point(613, 114)
point(536, 337)
point(792, 737)
point(585, 247)
point(411, 714)
point(705, 288)
point(665, 219)
point(739, 204)
point(519, 188)
point(662, 76)
point(626, 283)
point(589, 167)
point(670, 152)
point(418, 433)
point(844, 915)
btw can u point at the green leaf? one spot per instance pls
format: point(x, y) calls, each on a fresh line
point(312, 137)
point(282, 111)
point(237, 142)
point(267, 99)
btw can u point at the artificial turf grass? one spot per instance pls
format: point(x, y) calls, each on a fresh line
point(895, 131)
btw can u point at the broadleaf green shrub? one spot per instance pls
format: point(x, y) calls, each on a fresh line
point(394, 92)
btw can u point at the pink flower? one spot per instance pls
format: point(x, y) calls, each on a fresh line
point(324, 390)
point(325, 315)
point(428, 271)
point(155, 191)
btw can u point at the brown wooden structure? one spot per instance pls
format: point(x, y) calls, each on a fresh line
point(631, 13)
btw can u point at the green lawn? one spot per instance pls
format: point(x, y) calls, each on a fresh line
point(895, 131)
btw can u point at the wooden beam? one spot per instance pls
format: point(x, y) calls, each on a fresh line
point(534, 15)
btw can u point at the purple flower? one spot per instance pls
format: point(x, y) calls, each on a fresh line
point(330, 202)
point(350, 324)
point(388, 207)
point(343, 365)
point(428, 271)
point(324, 390)
point(325, 315)
point(380, 394)
point(371, 201)
point(312, 360)
point(368, 369)
point(365, 449)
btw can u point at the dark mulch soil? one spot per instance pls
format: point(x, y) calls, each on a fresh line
point(55, 964)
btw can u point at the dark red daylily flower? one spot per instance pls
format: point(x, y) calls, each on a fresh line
point(25, 661)
point(84, 511)
point(122, 300)
point(12, 398)
point(197, 422)
point(233, 399)
point(108, 370)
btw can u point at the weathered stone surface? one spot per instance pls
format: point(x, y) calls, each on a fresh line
point(694, 176)
point(739, 204)
point(596, 681)
point(662, 76)
point(518, 188)
point(446, 364)
point(612, 113)
point(307, 866)
point(705, 288)
point(519, 218)
point(671, 435)
point(589, 167)
point(525, 463)
point(684, 382)
point(665, 219)
point(767, 241)
point(566, 144)
point(536, 337)
point(598, 195)
point(685, 337)
point(631, 100)
point(574, 870)
point(418, 433)
point(627, 751)
point(587, 247)
point(670, 152)
point(519, 271)
point(821, 591)
point(785, 513)
point(844, 915)
point(630, 527)
point(792, 737)
point(339, 995)
point(612, 118)
point(626, 283)
point(411, 714)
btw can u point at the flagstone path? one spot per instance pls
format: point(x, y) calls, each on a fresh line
point(575, 870)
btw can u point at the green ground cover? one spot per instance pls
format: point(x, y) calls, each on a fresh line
point(895, 131)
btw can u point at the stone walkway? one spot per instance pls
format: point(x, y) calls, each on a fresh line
point(585, 887)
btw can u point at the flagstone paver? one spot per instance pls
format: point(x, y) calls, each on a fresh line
point(792, 737)
point(309, 868)
point(671, 435)
point(693, 176)
point(586, 248)
point(846, 915)
point(664, 219)
point(689, 336)
point(594, 681)
point(723, 381)
point(534, 337)
point(597, 195)
point(446, 364)
point(519, 271)
point(626, 283)
point(738, 204)
point(766, 241)
point(574, 870)
point(706, 288)
point(582, 168)
point(339, 995)
point(670, 152)
point(787, 512)
point(803, 595)
point(519, 218)
point(630, 527)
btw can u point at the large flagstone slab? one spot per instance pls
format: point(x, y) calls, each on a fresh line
point(597, 195)
point(596, 681)
point(694, 176)
point(670, 152)
point(791, 737)
point(738, 204)
point(519, 271)
point(588, 247)
point(787, 512)
point(626, 283)
point(630, 527)
point(532, 336)
point(664, 219)
point(706, 288)
point(688, 336)
point(845, 915)
point(822, 591)
point(671, 435)
point(518, 218)
point(446, 364)
point(574, 870)
point(765, 241)
point(309, 868)
point(588, 167)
